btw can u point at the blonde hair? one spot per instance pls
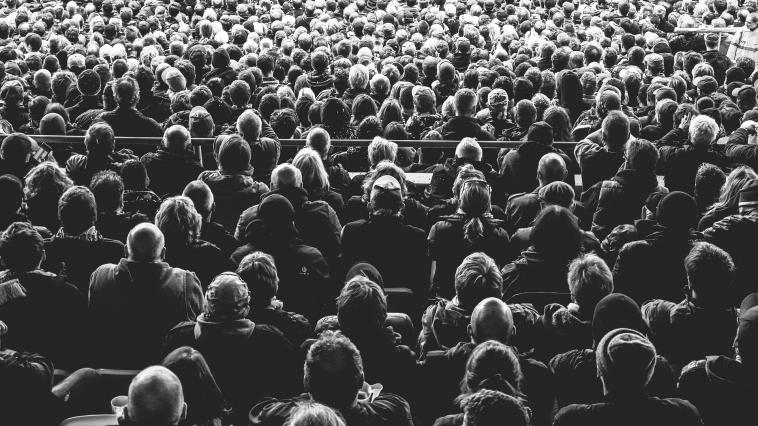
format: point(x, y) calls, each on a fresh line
point(179, 221)
point(314, 175)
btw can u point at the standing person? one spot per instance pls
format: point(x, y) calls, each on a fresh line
point(742, 43)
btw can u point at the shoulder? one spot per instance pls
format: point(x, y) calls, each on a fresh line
point(392, 407)
point(271, 412)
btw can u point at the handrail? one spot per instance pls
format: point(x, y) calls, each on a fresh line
point(154, 141)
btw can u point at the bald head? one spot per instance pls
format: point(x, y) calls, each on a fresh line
point(551, 168)
point(491, 319)
point(249, 126)
point(286, 176)
point(176, 138)
point(202, 197)
point(145, 243)
point(156, 397)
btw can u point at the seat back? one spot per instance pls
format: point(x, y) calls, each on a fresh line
point(116, 382)
point(92, 420)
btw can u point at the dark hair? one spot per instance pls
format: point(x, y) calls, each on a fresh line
point(77, 210)
point(284, 122)
point(556, 234)
point(258, 270)
point(21, 247)
point(330, 384)
point(494, 366)
point(204, 398)
point(710, 273)
point(134, 175)
point(489, 408)
point(476, 279)
point(361, 306)
point(108, 189)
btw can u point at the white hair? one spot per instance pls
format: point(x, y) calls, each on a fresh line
point(703, 130)
point(469, 148)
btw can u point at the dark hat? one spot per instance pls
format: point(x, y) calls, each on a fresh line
point(540, 132)
point(88, 83)
point(220, 58)
point(386, 193)
point(749, 195)
point(614, 311)
point(626, 353)
point(677, 210)
point(365, 270)
point(227, 297)
point(746, 93)
point(276, 209)
point(735, 74)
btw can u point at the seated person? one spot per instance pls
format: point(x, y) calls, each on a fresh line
point(250, 361)
point(43, 312)
point(78, 248)
point(137, 197)
point(721, 387)
point(626, 363)
point(259, 272)
point(210, 231)
point(12, 195)
point(703, 323)
point(112, 221)
point(334, 377)
point(445, 323)
point(490, 408)
point(575, 371)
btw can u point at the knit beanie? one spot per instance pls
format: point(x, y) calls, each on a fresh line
point(614, 311)
point(88, 83)
point(625, 358)
point(677, 210)
point(220, 58)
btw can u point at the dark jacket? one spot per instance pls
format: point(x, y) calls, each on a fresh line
point(719, 62)
point(130, 122)
point(80, 168)
point(134, 304)
point(265, 155)
point(577, 382)
point(233, 193)
point(596, 162)
point(643, 410)
point(249, 361)
point(47, 316)
point(684, 331)
point(532, 272)
point(295, 327)
point(653, 267)
point(201, 257)
point(16, 169)
point(397, 250)
point(679, 165)
point(145, 202)
point(461, 127)
point(316, 222)
point(226, 74)
point(385, 410)
point(75, 259)
point(217, 235)
point(737, 234)
point(116, 226)
point(305, 284)
point(522, 208)
point(448, 247)
point(519, 167)
point(170, 172)
point(414, 213)
point(620, 199)
point(562, 329)
point(722, 389)
point(156, 107)
point(87, 103)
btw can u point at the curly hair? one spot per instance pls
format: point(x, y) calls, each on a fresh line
point(179, 221)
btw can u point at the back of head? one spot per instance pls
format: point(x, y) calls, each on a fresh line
point(381, 149)
point(286, 176)
point(492, 408)
point(468, 150)
point(227, 298)
point(21, 247)
point(77, 210)
point(201, 196)
point(556, 234)
point(234, 155)
point(145, 243)
point(258, 270)
point(156, 397)
point(16, 148)
point(589, 280)
point(476, 279)
point(491, 319)
point(710, 274)
point(100, 139)
point(557, 193)
point(176, 138)
point(361, 307)
point(625, 362)
point(12, 194)
point(126, 92)
point(703, 131)
point(178, 221)
point(108, 189)
point(314, 414)
point(641, 155)
point(616, 130)
point(551, 168)
point(474, 203)
point(314, 175)
point(495, 366)
point(465, 102)
point(677, 211)
point(333, 370)
point(249, 126)
point(319, 140)
point(52, 124)
point(614, 311)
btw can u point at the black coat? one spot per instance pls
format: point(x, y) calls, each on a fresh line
point(130, 122)
point(519, 167)
point(649, 411)
point(679, 165)
point(463, 127)
point(737, 234)
point(170, 172)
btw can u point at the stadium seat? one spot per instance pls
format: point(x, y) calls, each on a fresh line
point(92, 420)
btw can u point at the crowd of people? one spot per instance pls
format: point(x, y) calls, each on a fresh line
point(251, 281)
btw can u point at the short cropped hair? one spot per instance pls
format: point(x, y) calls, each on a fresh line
point(100, 138)
point(641, 155)
point(333, 370)
point(108, 189)
point(469, 149)
point(703, 130)
point(492, 408)
point(589, 280)
point(258, 270)
point(476, 279)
